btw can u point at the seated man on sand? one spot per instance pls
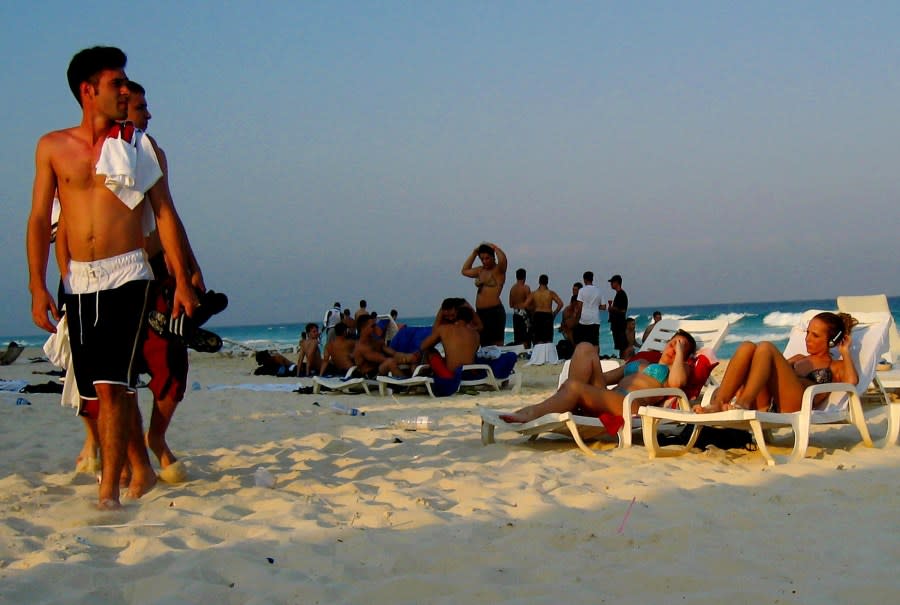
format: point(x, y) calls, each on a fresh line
point(338, 357)
point(372, 357)
point(309, 359)
point(447, 313)
point(459, 339)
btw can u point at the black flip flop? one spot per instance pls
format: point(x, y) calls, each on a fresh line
point(204, 341)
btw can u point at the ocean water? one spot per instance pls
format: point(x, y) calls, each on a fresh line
point(748, 321)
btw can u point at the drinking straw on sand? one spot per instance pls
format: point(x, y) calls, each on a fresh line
point(625, 518)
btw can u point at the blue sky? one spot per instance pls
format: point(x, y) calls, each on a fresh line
point(707, 151)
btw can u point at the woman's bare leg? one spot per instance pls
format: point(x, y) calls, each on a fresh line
point(573, 394)
point(735, 377)
point(771, 372)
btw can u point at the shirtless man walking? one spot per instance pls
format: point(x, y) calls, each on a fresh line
point(109, 276)
point(489, 280)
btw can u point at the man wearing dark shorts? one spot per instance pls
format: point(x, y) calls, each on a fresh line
point(108, 274)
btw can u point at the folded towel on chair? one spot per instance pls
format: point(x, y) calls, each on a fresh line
point(129, 163)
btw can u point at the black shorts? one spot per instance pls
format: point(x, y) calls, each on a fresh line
point(494, 322)
point(543, 326)
point(106, 330)
point(587, 333)
point(522, 325)
point(620, 340)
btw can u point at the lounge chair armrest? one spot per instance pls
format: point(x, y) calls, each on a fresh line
point(684, 402)
point(811, 392)
point(708, 395)
point(420, 368)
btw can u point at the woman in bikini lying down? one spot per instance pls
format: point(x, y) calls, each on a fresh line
point(759, 376)
point(585, 391)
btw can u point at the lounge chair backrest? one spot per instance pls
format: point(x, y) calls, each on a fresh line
point(709, 333)
point(870, 341)
point(873, 303)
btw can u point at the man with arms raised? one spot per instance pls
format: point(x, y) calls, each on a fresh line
point(108, 278)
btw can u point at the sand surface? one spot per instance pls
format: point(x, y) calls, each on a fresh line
point(361, 513)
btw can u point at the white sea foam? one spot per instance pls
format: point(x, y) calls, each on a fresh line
point(777, 319)
point(733, 317)
point(770, 336)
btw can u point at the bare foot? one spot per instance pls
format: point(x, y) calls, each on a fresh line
point(517, 418)
point(712, 409)
point(141, 483)
point(157, 444)
point(87, 464)
point(125, 477)
point(108, 504)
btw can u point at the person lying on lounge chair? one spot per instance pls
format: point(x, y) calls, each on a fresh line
point(758, 375)
point(586, 393)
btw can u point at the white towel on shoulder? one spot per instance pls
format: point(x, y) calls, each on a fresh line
point(129, 163)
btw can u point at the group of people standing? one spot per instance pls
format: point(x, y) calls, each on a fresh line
point(534, 311)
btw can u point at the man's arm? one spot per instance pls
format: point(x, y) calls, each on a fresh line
point(167, 223)
point(431, 340)
point(37, 239)
point(192, 264)
point(558, 301)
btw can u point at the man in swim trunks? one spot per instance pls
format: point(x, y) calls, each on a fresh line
point(522, 320)
point(542, 301)
point(338, 355)
point(460, 340)
point(165, 355)
point(109, 276)
point(489, 280)
point(587, 312)
point(309, 360)
point(372, 357)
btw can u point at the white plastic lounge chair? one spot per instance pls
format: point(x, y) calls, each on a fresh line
point(709, 334)
point(884, 380)
point(514, 380)
point(345, 384)
point(416, 380)
point(870, 340)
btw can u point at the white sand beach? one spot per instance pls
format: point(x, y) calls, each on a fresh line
point(366, 514)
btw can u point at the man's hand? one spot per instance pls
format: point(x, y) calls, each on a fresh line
point(41, 304)
point(197, 281)
point(184, 299)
